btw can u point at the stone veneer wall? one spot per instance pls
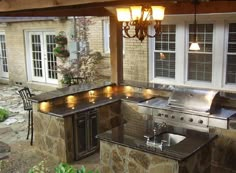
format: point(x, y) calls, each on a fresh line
point(200, 162)
point(109, 116)
point(135, 120)
point(118, 159)
point(224, 151)
point(53, 135)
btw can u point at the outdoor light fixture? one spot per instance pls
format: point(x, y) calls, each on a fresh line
point(140, 17)
point(194, 45)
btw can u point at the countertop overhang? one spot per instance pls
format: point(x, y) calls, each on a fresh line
point(193, 142)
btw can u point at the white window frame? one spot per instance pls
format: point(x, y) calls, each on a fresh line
point(159, 78)
point(229, 86)
point(219, 56)
point(106, 35)
point(179, 34)
point(3, 74)
point(196, 82)
point(29, 64)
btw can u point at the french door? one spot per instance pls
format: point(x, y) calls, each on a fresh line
point(3, 57)
point(43, 63)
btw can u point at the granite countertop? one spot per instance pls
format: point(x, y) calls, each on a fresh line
point(61, 92)
point(193, 142)
point(83, 104)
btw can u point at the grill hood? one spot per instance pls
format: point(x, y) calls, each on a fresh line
point(197, 100)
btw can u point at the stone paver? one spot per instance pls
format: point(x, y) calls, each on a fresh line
point(11, 100)
point(22, 156)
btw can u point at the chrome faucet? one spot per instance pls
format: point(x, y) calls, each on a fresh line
point(158, 128)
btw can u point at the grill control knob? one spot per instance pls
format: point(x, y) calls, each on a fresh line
point(182, 118)
point(172, 116)
point(166, 115)
point(159, 114)
point(190, 120)
point(200, 121)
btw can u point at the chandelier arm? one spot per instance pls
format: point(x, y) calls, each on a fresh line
point(157, 28)
point(126, 29)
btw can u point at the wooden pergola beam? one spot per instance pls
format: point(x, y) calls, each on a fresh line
point(59, 12)
point(104, 7)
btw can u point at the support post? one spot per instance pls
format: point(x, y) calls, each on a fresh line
point(116, 50)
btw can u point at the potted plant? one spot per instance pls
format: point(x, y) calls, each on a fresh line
point(61, 38)
point(60, 51)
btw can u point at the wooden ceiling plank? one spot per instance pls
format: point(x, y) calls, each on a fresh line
point(109, 10)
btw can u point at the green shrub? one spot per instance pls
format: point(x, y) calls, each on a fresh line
point(83, 170)
point(61, 168)
point(3, 114)
point(64, 168)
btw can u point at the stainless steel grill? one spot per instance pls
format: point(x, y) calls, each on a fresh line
point(191, 108)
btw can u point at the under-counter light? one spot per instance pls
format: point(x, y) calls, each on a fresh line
point(70, 99)
point(108, 91)
point(91, 99)
point(91, 93)
point(44, 106)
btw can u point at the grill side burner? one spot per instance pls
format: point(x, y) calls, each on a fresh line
point(190, 108)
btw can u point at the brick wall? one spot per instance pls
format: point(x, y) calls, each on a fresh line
point(135, 62)
point(15, 42)
point(96, 43)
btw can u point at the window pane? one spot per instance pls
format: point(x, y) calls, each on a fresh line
point(199, 67)
point(231, 69)
point(165, 52)
point(166, 41)
point(231, 55)
point(165, 67)
point(200, 62)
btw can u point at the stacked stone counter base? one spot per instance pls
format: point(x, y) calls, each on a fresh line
point(118, 159)
point(53, 135)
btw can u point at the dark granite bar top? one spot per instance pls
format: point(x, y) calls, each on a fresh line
point(193, 142)
point(83, 104)
point(74, 89)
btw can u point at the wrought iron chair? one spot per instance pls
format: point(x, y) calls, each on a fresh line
point(25, 95)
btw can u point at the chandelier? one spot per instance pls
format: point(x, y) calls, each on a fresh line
point(140, 17)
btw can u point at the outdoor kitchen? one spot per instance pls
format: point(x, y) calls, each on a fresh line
point(118, 86)
point(175, 126)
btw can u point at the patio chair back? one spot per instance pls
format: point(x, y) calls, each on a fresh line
point(25, 95)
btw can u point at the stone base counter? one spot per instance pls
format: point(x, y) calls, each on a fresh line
point(118, 159)
point(53, 135)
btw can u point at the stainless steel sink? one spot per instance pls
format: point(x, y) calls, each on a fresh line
point(165, 139)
